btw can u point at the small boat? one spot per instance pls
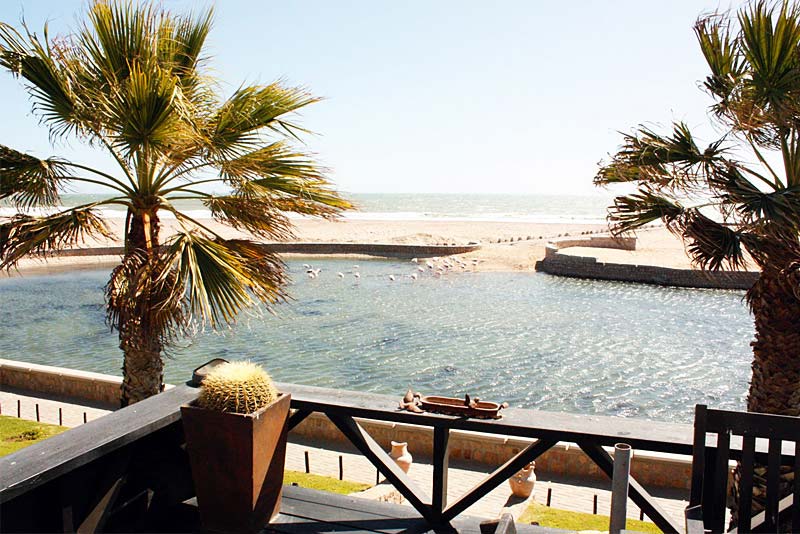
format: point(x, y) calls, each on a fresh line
point(461, 407)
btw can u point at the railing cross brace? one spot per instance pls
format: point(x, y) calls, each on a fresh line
point(367, 445)
point(298, 417)
point(638, 494)
point(501, 474)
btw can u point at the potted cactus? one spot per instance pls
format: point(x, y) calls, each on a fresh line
point(236, 439)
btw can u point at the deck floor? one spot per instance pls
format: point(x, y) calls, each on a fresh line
point(310, 511)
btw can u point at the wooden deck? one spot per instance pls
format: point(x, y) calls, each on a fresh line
point(317, 512)
point(309, 511)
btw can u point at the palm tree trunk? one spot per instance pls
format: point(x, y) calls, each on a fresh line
point(775, 385)
point(143, 366)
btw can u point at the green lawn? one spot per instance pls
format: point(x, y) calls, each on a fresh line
point(16, 434)
point(576, 521)
point(318, 482)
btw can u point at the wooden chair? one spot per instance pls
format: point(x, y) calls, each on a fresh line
point(751, 435)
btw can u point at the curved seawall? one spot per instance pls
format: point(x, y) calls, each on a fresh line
point(368, 249)
point(588, 267)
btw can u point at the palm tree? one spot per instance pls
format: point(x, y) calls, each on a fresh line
point(132, 80)
point(733, 199)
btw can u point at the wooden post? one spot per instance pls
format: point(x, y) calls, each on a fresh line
point(84, 417)
point(37, 412)
point(308, 467)
point(341, 467)
point(19, 408)
point(549, 495)
point(594, 505)
point(60, 417)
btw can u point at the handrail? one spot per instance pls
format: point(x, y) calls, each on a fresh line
point(38, 465)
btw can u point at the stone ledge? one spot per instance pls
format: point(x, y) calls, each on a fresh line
point(588, 267)
point(387, 250)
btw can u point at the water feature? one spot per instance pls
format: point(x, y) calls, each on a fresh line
point(533, 340)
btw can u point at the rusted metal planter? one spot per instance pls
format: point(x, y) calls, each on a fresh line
point(237, 464)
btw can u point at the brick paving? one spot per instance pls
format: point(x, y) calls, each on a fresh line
point(567, 494)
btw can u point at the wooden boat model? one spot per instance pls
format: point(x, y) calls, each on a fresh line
point(461, 407)
point(466, 407)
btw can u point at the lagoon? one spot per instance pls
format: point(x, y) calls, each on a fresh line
point(534, 340)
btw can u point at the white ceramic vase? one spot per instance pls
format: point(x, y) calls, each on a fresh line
point(400, 455)
point(522, 482)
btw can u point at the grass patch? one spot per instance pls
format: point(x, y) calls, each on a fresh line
point(16, 434)
point(319, 482)
point(564, 519)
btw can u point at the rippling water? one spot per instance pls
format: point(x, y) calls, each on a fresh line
point(530, 339)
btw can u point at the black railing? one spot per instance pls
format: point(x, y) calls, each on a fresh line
point(130, 464)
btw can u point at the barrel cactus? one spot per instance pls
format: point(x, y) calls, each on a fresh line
point(237, 387)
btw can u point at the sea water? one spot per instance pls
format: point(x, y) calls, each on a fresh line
point(534, 340)
point(578, 209)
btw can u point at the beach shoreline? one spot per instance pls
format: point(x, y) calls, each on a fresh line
point(505, 246)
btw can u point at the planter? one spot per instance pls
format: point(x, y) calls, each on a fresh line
point(237, 464)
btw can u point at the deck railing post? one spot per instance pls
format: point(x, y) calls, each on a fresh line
point(441, 460)
point(619, 488)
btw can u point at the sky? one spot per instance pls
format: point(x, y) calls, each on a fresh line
point(461, 96)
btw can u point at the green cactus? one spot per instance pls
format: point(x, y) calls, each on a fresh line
point(237, 387)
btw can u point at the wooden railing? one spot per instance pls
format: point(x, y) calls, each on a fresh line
point(130, 464)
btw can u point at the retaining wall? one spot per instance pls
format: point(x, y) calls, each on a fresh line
point(60, 381)
point(368, 249)
point(663, 470)
point(588, 267)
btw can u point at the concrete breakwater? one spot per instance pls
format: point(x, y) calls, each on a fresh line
point(661, 470)
point(588, 267)
point(385, 250)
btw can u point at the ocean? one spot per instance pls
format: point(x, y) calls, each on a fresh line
point(578, 209)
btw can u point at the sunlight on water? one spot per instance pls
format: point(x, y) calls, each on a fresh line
point(530, 339)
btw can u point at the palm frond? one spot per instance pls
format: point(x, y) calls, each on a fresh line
point(712, 245)
point(770, 42)
point(222, 277)
point(257, 215)
point(753, 206)
point(29, 181)
point(665, 161)
point(723, 54)
point(180, 46)
point(235, 128)
point(643, 207)
point(23, 234)
point(286, 176)
point(148, 110)
point(50, 84)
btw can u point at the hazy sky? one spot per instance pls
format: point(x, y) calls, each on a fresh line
point(442, 96)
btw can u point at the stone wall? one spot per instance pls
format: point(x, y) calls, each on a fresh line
point(60, 381)
point(588, 267)
point(596, 241)
point(368, 249)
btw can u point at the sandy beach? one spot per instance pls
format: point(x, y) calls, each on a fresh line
point(505, 246)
